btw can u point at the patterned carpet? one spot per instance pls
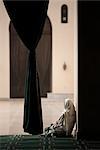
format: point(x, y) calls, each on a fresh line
point(28, 142)
point(20, 142)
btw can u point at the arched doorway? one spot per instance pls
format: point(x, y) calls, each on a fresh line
point(18, 61)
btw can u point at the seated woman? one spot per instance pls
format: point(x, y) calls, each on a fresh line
point(64, 125)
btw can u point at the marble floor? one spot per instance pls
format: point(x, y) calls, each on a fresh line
point(11, 114)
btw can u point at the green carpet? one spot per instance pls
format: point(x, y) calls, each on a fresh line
point(28, 142)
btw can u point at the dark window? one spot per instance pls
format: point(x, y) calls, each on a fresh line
point(64, 13)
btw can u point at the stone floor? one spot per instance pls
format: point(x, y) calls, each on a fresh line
point(11, 114)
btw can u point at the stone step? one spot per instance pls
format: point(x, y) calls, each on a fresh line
point(60, 96)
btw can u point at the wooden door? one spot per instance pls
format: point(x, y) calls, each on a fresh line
point(44, 59)
point(18, 62)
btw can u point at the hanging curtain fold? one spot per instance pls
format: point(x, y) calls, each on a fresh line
point(28, 18)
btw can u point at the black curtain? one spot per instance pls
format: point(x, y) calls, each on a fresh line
point(28, 18)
